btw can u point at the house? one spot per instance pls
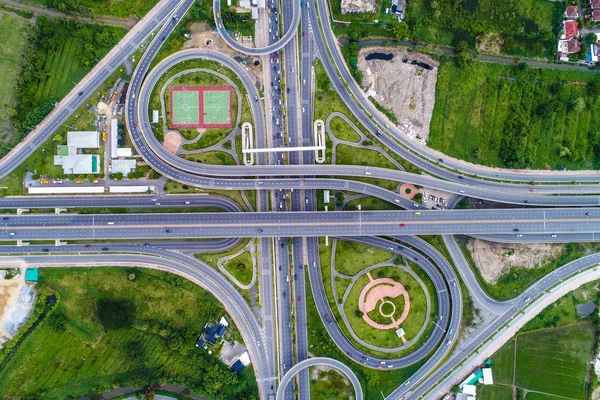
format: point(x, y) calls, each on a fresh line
point(213, 333)
point(571, 12)
point(123, 166)
point(488, 379)
point(81, 164)
point(570, 29)
point(594, 4)
point(83, 139)
point(566, 47)
point(241, 363)
point(595, 15)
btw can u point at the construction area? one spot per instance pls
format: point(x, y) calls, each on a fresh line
point(403, 83)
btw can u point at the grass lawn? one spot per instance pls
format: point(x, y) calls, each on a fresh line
point(329, 385)
point(348, 155)
point(211, 157)
point(503, 363)
point(241, 267)
point(341, 284)
point(414, 321)
point(114, 327)
point(556, 361)
point(553, 111)
point(494, 392)
point(541, 396)
point(352, 257)
point(370, 203)
point(374, 382)
point(120, 9)
point(14, 33)
point(343, 131)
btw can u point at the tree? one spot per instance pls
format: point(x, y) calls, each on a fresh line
point(577, 104)
point(591, 38)
point(401, 31)
point(58, 138)
point(463, 59)
point(119, 176)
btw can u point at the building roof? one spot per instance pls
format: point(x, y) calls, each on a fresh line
point(245, 358)
point(122, 166)
point(572, 12)
point(571, 29)
point(237, 366)
point(488, 378)
point(469, 390)
point(569, 46)
point(595, 15)
point(79, 164)
point(595, 3)
point(124, 152)
point(114, 141)
point(32, 274)
point(223, 321)
point(254, 13)
point(200, 342)
point(83, 139)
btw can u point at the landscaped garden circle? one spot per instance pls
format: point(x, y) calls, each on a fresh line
point(384, 300)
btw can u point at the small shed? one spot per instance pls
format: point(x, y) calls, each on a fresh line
point(32, 275)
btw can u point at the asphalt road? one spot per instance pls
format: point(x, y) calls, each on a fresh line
point(289, 224)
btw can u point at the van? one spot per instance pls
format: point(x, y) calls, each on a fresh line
point(111, 223)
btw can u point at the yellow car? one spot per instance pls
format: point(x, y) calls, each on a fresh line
point(417, 212)
point(79, 181)
point(218, 15)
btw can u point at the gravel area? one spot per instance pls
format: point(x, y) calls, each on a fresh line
point(406, 89)
point(496, 259)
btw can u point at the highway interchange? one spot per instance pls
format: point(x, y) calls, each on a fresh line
point(272, 346)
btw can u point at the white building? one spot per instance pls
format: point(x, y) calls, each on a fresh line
point(114, 139)
point(488, 379)
point(124, 152)
point(122, 166)
point(83, 139)
point(80, 164)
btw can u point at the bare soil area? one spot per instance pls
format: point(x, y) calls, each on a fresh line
point(406, 89)
point(172, 141)
point(358, 6)
point(496, 259)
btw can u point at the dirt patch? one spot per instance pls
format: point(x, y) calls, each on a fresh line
point(16, 303)
point(358, 6)
point(490, 43)
point(172, 141)
point(405, 88)
point(496, 259)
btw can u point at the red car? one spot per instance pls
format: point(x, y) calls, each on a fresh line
point(378, 367)
point(401, 225)
point(303, 33)
point(87, 246)
point(532, 190)
point(299, 298)
point(274, 137)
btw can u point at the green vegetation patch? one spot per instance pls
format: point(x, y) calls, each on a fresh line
point(555, 361)
point(343, 131)
point(373, 381)
point(353, 257)
point(503, 363)
point(494, 392)
point(515, 27)
point(414, 321)
point(213, 157)
point(121, 9)
point(514, 116)
point(115, 327)
point(329, 385)
point(60, 53)
point(241, 267)
point(14, 32)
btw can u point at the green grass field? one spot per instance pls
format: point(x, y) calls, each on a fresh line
point(553, 110)
point(541, 396)
point(352, 257)
point(494, 392)
point(241, 267)
point(116, 327)
point(343, 131)
point(503, 363)
point(555, 361)
point(329, 385)
point(414, 321)
point(14, 33)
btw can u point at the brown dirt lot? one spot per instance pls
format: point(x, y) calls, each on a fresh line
point(408, 90)
point(495, 259)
